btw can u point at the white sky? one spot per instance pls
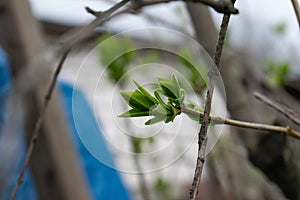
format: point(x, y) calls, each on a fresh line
point(254, 15)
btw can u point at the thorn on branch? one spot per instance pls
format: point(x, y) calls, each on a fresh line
point(93, 12)
point(223, 6)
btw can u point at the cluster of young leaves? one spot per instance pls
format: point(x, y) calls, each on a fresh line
point(144, 104)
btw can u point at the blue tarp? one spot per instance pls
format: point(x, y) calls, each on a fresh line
point(104, 182)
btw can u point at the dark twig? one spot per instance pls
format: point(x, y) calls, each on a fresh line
point(74, 37)
point(297, 10)
point(221, 6)
point(289, 113)
point(38, 125)
point(202, 136)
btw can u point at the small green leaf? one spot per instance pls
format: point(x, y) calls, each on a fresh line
point(158, 97)
point(169, 88)
point(155, 120)
point(193, 105)
point(137, 100)
point(146, 93)
point(134, 113)
point(195, 118)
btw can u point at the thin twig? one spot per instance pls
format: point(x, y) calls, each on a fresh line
point(289, 113)
point(286, 130)
point(74, 37)
point(38, 125)
point(202, 136)
point(225, 7)
point(222, 6)
point(297, 10)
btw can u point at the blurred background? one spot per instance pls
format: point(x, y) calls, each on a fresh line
point(86, 152)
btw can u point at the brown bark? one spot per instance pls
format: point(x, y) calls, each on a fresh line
point(275, 155)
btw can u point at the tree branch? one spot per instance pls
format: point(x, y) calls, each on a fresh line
point(38, 125)
point(202, 137)
point(221, 6)
point(264, 127)
point(297, 10)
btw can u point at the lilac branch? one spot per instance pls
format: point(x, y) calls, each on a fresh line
point(202, 136)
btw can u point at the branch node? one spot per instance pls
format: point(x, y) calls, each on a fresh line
point(93, 12)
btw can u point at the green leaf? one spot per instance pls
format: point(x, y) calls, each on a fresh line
point(137, 100)
point(158, 97)
point(146, 93)
point(169, 88)
point(134, 113)
point(159, 110)
point(193, 105)
point(155, 120)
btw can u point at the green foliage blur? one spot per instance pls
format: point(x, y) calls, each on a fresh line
point(276, 73)
point(113, 56)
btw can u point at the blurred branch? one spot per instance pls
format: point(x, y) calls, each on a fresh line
point(85, 31)
point(221, 6)
point(75, 36)
point(38, 125)
point(289, 113)
point(264, 127)
point(202, 137)
point(297, 10)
